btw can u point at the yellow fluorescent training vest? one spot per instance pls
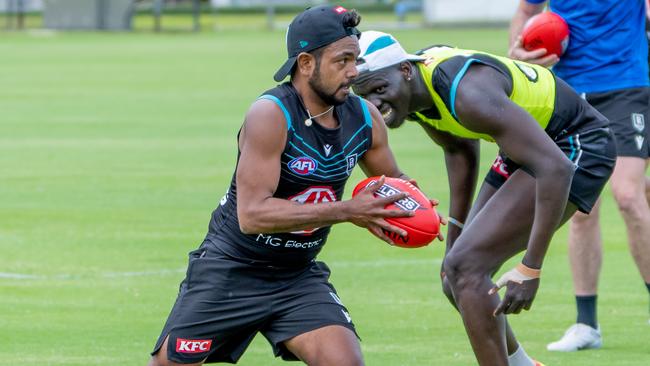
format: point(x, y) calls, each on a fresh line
point(533, 89)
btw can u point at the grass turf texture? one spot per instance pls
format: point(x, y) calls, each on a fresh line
point(114, 150)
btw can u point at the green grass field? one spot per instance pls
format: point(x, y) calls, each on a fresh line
point(114, 150)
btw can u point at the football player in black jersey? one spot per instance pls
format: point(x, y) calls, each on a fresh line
point(256, 271)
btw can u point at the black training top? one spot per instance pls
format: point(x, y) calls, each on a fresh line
point(316, 163)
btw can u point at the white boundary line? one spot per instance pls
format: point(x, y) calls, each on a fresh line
point(163, 272)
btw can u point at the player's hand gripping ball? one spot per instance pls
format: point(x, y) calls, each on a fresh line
point(546, 30)
point(422, 227)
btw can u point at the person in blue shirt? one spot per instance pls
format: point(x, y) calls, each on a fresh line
point(607, 63)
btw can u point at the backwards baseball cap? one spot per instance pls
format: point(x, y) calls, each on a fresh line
point(314, 28)
point(379, 50)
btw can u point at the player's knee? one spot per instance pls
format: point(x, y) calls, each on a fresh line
point(629, 202)
point(446, 289)
point(451, 267)
point(581, 220)
point(460, 275)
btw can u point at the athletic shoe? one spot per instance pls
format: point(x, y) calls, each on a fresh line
point(578, 336)
point(537, 363)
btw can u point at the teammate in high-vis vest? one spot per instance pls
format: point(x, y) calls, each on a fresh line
point(562, 145)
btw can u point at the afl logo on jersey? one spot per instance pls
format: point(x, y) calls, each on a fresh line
point(303, 165)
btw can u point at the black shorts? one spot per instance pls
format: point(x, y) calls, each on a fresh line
point(223, 303)
point(627, 110)
point(592, 152)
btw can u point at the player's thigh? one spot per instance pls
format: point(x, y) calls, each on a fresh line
point(486, 192)
point(499, 230)
point(628, 180)
point(502, 168)
point(329, 345)
point(309, 304)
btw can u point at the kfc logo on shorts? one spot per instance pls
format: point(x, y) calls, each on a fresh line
point(303, 165)
point(314, 194)
point(193, 345)
point(500, 167)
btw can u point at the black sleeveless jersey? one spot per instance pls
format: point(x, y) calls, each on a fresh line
point(315, 164)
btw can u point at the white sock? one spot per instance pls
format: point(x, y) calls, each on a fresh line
point(520, 358)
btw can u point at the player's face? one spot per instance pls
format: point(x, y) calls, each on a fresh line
point(388, 90)
point(335, 71)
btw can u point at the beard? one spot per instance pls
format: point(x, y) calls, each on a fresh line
point(316, 83)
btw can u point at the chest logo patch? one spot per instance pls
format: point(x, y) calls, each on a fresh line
point(303, 165)
point(350, 163)
point(328, 149)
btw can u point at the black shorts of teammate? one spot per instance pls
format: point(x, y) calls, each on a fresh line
point(223, 303)
point(593, 154)
point(627, 111)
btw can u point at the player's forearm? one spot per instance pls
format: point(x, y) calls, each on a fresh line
point(462, 171)
point(275, 215)
point(516, 26)
point(551, 192)
point(524, 12)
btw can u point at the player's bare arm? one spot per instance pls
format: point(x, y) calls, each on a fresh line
point(462, 162)
point(379, 159)
point(525, 11)
point(261, 143)
point(482, 105)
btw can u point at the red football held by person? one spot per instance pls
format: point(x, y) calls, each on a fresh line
point(422, 227)
point(546, 30)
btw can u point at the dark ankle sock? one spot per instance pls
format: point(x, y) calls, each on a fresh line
point(587, 310)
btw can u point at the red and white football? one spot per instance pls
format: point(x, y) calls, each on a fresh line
point(421, 228)
point(546, 30)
